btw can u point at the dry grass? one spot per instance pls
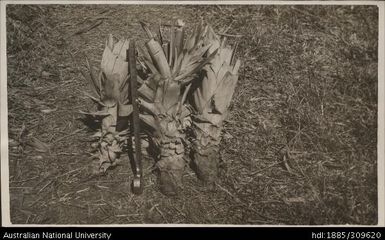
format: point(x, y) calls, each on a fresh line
point(299, 147)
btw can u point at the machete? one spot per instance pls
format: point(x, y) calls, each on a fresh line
point(137, 186)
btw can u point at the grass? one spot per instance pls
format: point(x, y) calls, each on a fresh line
point(300, 142)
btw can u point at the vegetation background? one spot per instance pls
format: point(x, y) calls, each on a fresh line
point(300, 144)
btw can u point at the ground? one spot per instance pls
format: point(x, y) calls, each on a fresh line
point(299, 147)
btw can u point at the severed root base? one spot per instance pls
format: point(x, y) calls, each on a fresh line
point(170, 175)
point(207, 167)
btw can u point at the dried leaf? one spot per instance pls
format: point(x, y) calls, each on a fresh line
point(46, 74)
point(38, 145)
point(88, 28)
point(48, 110)
point(224, 92)
point(97, 135)
point(146, 92)
point(295, 200)
point(285, 162)
point(149, 120)
point(125, 110)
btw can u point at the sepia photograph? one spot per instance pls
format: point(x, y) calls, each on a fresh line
point(210, 114)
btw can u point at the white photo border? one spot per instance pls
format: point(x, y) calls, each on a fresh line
point(5, 199)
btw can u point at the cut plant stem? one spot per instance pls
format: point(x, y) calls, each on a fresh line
point(163, 96)
point(112, 99)
point(211, 103)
